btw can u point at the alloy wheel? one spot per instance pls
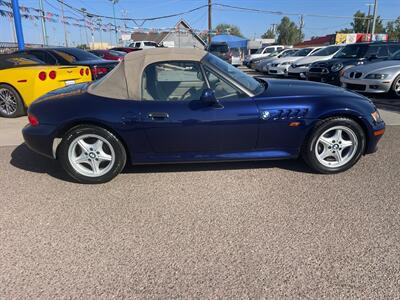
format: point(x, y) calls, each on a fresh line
point(397, 87)
point(8, 102)
point(336, 146)
point(91, 155)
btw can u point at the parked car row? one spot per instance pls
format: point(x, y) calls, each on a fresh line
point(363, 67)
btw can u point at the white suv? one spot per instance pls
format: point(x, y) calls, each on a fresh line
point(144, 44)
point(262, 52)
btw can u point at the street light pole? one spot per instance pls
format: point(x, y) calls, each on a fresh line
point(375, 16)
point(368, 16)
point(209, 21)
point(84, 24)
point(18, 24)
point(43, 19)
point(115, 22)
point(65, 28)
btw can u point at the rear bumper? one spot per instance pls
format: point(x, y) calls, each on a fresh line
point(40, 138)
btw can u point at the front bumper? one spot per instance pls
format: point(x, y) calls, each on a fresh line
point(279, 70)
point(332, 78)
point(366, 85)
point(40, 138)
point(300, 72)
point(373, 137)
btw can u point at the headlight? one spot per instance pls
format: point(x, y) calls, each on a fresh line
point(377, 76)
point(376, 116)
point(286, 63)
point(337, 67)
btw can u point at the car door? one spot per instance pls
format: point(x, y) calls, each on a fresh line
point(237, 118)
point(172, 115)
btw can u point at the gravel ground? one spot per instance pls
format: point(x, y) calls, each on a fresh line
point(238, 230)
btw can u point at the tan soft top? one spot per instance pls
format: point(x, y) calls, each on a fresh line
point(124, 82)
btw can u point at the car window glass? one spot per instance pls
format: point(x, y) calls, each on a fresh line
point(44, 56)
point(394, 48)
point(222, 89)
point(173, 81)
point(218, 48)
point(269, 50)
point(137, 45)
point(377, 50)
point(326, 51)
point(303, 52)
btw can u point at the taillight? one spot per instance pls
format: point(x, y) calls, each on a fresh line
point(81, 72)
point(96, 71)
point(52, 74)
point(42, 75)
point(33, 120)
point(87, 72)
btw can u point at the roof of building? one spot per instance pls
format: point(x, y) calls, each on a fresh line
point(233, 41)
point(319, 41)
point(159, 37)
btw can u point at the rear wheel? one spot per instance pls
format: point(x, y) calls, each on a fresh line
point(91, 154)
point(11, 105)
point(335, 145)
point(396, 87)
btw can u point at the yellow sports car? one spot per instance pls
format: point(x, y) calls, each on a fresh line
point(23, 79)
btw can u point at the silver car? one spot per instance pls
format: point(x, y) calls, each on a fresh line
point(379, 77)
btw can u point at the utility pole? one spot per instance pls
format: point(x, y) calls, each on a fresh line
point(209, 21)
point(65, 28)
point(301, 27)
point(375, 16)
point(18, 24)
point(44, 31)
point(368, 16)
point(115, 22)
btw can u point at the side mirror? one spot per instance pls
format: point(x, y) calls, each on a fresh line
point(209, 98)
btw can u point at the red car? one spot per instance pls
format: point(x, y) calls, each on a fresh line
point(109, 54)
point(125, 49)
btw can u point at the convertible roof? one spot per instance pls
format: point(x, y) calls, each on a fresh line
point(124, 81)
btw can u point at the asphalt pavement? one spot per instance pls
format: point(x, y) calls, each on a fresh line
point(248, 230)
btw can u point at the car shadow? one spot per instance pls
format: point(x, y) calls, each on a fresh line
point(25, 159)
point(386, 102)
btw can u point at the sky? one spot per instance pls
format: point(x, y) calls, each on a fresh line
point(252, 24)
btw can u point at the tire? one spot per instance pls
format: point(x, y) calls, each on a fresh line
point(395, 89)
point(11, 104)
point(91, 154)
point(327, 151)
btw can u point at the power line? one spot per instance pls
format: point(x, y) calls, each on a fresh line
point(281, 13)
point(133, 19)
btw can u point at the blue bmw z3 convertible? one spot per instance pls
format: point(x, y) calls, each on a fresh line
point(185, 105)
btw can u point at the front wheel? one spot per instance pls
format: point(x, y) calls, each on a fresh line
point(91, 154)
point(334, 146)
point(396, 87)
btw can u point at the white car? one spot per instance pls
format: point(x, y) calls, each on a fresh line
point(144, 44)
point(236, 57)
point(299, 68)
point(262, 52)
point(281, 65)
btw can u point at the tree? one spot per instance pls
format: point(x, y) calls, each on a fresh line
point(288, 32)
point(362, 25)
point(393, 29)
point(224, 28)
point(270, 34)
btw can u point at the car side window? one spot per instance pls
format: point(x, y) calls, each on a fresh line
point(394, 48)
point(43, 56)
point(173, 81)
point(379, 51)
point(223, 90)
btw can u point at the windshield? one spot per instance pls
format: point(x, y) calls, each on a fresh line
point(259, 51)
point(352, 51)
point(117, 53)
point(303, 52)
point(395, 56)
point(18, 60)
point(227, 69)
point(289, 53)
point(73, 54)
point(326, 51)
point(218, 48)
